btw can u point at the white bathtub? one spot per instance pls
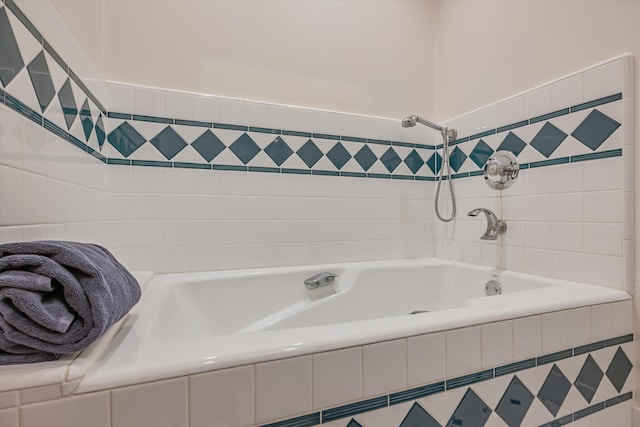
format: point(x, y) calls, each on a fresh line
point(196, 322)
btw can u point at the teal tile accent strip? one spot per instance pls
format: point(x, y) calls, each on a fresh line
point(296, 171)
point(296, 133)
point(588, 348)
point(457, 141)
point(303, 421)
point(402, 144)
point(193, 123)
point(426, 178)
point(22, 108)
point(416, 393)
point(55, 56)
point(482, 134)
point(512, 126)
point(378, 141)
point(152, 163)
point(114, 115)
point(460, 175)
point(405, 177)
point(554, 357)
point(123, 162)
point(594, 156)
point(152, 119)
point(551, 162)
point(230, 127)
point(326, 136)
point(355, 174)
point(354, 408)
point(354, 139)
point(549, 116)
point(229, 168)
point(618, 399)
point(588, 411)
point(81, 145)
point(595, 103)
point(54, 128)
point(618, 340)
point(469, 379)
point(425, 146)
point(86, 90)
point(265, 130)
point(184, 165)
point(263, 169)
point(515, 367)
point(559, 422)
point(476, 173)
point(379, 175)
point(24, 20)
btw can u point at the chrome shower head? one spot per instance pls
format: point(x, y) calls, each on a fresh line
point(409, 121)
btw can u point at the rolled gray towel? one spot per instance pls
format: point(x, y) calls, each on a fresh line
point(58, 297)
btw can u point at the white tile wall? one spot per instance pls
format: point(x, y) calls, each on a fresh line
point(87, 410)
point(426, 358)
point(463, 350)
point(384, 367)
point(162, 403)
point(337, 377)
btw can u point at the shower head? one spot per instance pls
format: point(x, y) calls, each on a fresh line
point(410, 121)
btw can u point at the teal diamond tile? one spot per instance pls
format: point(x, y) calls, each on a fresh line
point(548, 139)
point(11, 61)
point(390, 159)
point(515, 403)
point(365, 158)
point(100, 132)
point(68, 103)
point(471, 412)
point(125, 139)
point(338, 155)
point(168, 142)
point(245, 148)
point(619, 369)
point(41, 80)
point(589, 379)
point(554, 390)
point(208, 145)
point(87, 121)
point(278, 151)
point(595, 129)
point(414, 162)
point(457, 158)
point(418, 417)
point(512, 143)
point(481, 153)
point(309, 153)
point(435, 163)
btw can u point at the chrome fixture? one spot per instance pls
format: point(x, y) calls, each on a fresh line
point(495, 226)
point(320, 279)
point(493, 287)
point(448, 135)
point(501, 170)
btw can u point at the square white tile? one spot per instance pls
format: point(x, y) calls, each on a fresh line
point(426, 358)
point(527, 337)
point(91, 409)
point(161, 403)
point(463, 350)
point(337, 377)
point(497, 343)
point(384, 367)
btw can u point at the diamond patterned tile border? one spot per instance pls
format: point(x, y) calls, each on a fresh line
point(10, 58)
point(418, 417)
point(390, 159)
point(595, 129)
point(481, 153)
point(554, 390)
point(168, 142)
point(365, 158)
point(41, 80)
point(548, 139)
point(457, 159)
point(125, 139)
point(208, 145)
point(435, 163)
point(512, 143)
point(589, 379)
point(414, 162)
point(245, 148)
point(338, 155)
point(100, 131)
point(471, 412)
point(68, 103)
point(278, 151)
point(87, 121)
point(354, 423)
point(309, 153)
point(619, 369)
point(515, 403)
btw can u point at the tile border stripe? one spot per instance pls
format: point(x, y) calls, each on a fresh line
point(414, 393)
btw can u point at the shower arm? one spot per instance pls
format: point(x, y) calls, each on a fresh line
point(450, 134)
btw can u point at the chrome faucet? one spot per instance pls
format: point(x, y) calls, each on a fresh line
point(495, 226)
point(320, 279)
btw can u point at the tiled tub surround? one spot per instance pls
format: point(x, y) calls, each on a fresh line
point(565, 365)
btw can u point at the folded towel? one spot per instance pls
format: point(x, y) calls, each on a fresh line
point(58, 297)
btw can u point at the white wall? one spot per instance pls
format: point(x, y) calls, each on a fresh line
point(365, 57)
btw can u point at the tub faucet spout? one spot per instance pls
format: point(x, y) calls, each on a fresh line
point(495, 226)
point(320, 279)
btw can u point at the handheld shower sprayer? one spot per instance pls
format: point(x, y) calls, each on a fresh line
point(448, 135)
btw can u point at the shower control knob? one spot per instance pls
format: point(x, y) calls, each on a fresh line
point(501, 170)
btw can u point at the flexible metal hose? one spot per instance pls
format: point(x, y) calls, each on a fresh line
point(445, 160)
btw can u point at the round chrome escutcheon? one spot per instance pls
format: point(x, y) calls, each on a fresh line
point(501, 170)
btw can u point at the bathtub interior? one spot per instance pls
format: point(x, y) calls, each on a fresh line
point(278, 299)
